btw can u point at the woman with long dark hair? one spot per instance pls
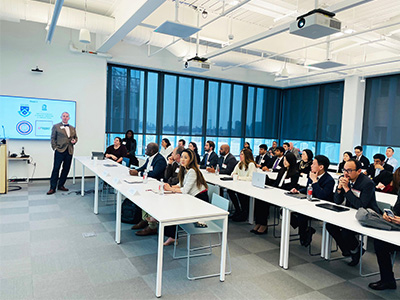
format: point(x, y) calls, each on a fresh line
point(166, 148)
point(191, 181)
point(304, 165)
point(244, 171)
point(130, 144)
point(193, 147)
point(346, 157)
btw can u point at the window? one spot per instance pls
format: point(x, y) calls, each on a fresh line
point(169, 113)
point(151, 108)
point(116, 107)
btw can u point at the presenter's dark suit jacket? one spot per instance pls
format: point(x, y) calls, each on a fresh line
point(230, 162)
point(385, 176)
point(267, 160)
point(159, 164)
point(363, 160)
point(213, 160)
point(362, 194)
point(60, 140)
point(323, 188)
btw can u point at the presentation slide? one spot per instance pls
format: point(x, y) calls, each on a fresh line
point(32, 118)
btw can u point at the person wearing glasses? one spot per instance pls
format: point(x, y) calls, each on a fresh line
point(358, 191)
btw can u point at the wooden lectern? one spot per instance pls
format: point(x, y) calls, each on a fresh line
point(3, 169)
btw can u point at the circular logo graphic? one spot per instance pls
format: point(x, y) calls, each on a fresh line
point(24, 127)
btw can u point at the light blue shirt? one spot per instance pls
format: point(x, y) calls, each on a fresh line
point(393, 162)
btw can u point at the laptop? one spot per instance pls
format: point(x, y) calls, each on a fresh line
point(259, 179)
point(99, 155)
point(332, 207)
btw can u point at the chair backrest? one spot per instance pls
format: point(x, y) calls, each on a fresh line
point(212, 189)
point(125, 162)
point(220, 202)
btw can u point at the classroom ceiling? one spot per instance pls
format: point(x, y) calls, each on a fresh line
point(249, 34)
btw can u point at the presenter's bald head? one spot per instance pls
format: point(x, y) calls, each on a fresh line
point(65, 117)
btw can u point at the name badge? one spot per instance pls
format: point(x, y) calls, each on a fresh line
point(177, 170)
point(115, 180)
point(224, 166)
point(105, 173)
point(356, 193)
point(151, 168)
point(123, 143)
point(287, 180)
point(208, 163)
point(262, 161)
point(278, 167)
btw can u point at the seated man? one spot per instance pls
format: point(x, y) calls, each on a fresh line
point(358, 191)
point(286, 146)
point(358, 150)
point(227, 162)
point(390, 160)
point(273, 148)
point(155, 166)
point(210, 158)
point(294, 150)
point(322, 184)
point(172, 170)
point(277, 161)
point(263, 159)
point(383, 250)
point(379, 171)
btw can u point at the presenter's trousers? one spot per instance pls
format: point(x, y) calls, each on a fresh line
point(63, 159)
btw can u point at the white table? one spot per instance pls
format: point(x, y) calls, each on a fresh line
point(168, 209)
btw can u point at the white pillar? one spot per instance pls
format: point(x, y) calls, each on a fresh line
point(353, 113)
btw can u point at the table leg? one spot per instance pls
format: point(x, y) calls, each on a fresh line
point(251, 210)
point(83, 181)
point(224, 241)
point(96, 195)
point(118, 219)
point(287, 240)
point(281, 254)
point(323, 237)
point(160, 259)
point(73, 171)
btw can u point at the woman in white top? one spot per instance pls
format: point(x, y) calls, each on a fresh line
point(244, 171)
point(166, 148)
point(191, 181)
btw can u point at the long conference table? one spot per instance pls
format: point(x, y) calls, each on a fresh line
point(289, 204)
point(167, 209)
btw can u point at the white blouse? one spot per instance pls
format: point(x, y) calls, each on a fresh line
point(245, 174)
point(165, 152)
point(190, 184)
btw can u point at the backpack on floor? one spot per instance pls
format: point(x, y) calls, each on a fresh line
point(130, 212)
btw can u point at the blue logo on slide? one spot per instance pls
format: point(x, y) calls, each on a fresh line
point(24, 110)
point(44, 107)
point(24, 128)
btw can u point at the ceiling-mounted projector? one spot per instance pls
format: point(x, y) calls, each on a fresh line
point(316, 24)
point(197, 64)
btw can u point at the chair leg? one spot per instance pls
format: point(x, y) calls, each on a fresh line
point(362, 240)
point(175, 244)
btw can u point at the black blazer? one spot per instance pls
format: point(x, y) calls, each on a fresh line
point(385, 176)
point(366, 198)
point(340, 167)
point(212, 162)
point(363, 160)
point(230, 163)
point(294, 179)
point(265, 162)
point(159, 164)
point(272, 163)
point(323, 188)
point(170, 174)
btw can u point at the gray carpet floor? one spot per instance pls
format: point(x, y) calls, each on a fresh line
point(44, 254)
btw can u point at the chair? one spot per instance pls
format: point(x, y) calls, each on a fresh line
point(125, 161)
point(214, 226)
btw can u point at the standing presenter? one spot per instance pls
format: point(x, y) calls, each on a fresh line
point(63, 139)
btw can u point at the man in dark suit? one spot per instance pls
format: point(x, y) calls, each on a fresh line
point(172, 169)
point(273, 148)
point(358, 150)
point(63, 139)
point(226, 161)
point(379, 171)
point(155, 166)
point(358, 191)
point(383, 250)
point(286, 146)
point(277, 161)
point(263, 159)
point(210, 158)
point(155, 163)
point(322, 184)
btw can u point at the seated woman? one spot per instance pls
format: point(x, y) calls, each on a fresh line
point(117, 151)
point(191, 181)
point(247, 146)
point(346, 156)
point(166, 148)
point(393, 187)
point(130, 144)
point(193, 147)
point(287, 179)
point(304, 166)
point(244, 171)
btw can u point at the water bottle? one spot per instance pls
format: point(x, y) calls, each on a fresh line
point(217, 170)
point(161, 187)
point(309, 192)
point(145, 176)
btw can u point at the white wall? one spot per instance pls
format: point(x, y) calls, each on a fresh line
point(66, 75)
